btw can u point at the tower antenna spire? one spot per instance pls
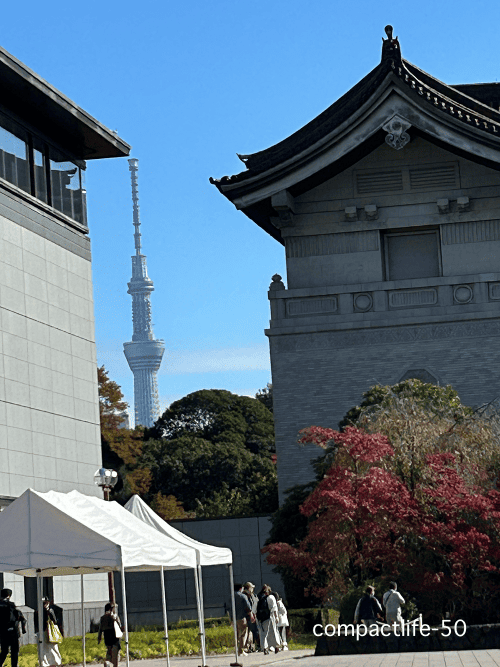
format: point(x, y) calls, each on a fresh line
point(144, 352)
point(133, 165)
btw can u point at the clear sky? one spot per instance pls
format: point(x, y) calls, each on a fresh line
point(189, 84)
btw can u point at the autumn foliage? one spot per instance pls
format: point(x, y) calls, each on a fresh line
point(437, 533)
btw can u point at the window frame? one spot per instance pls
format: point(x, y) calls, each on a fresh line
point(37, 140)
point(415, 231)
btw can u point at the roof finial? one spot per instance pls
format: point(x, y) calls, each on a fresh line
point(390, 46)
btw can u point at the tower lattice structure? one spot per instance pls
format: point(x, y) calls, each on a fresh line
point(144, 352)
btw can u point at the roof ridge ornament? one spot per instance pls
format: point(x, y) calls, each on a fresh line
point(390, 46)
point(396, 127)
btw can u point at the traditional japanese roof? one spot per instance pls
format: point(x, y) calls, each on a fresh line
point(464, 119)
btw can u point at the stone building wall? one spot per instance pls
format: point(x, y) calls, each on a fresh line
point(355, 312)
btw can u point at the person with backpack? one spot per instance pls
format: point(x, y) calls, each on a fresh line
point(267, 618)
point(12, 622)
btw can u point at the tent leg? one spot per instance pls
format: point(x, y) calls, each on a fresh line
point(83, 620)
point(231, 581)
point(164, 606)
point(198, 583)
point(39, 587)
point(124, 598)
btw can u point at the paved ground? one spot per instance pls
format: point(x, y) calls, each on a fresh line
point(486, 658)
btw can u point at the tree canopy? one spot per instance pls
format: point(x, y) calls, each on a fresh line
point(212, 452)
point(217, 415)
point(411, 495)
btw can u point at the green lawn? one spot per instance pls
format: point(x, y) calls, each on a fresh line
point(150, 644)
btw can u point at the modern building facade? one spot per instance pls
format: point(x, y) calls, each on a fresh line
point(388, 207)
point(49, 410)
point(144, 352)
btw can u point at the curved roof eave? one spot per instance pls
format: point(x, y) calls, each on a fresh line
point(351, 127)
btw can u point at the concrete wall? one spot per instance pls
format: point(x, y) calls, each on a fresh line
point(245, 537)
point(49, 412)
point(342, 326)
point(49, 417)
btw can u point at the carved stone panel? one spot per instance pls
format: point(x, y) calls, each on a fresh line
point(413, 298)
point(315, 306)
point(463, 294)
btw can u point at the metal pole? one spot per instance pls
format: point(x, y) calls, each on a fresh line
point(124, 600)
point(201, 612)
point(83, 620)
point(111, 580)
point(231, 580)
point(39, 587)
point(164, 605)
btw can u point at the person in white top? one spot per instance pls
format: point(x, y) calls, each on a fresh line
point(392, 602)
point(267, 617)
point(282, 621)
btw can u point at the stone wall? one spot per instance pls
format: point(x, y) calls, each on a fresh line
point(475, 637)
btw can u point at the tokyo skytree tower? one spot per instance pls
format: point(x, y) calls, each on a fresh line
point(144, 353)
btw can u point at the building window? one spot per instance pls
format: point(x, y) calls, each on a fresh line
point(414, 254)
point(42, 171)
point(14, 158)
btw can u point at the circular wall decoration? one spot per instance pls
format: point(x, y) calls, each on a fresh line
point(463, 294)
point(363, 302)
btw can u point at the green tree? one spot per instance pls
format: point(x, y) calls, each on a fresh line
point(212, 450)
point(217, 415)
point(265, 396)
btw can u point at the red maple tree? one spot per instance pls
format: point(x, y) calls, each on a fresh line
point(440, 538)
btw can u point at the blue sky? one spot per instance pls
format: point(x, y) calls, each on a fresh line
point(189, 85)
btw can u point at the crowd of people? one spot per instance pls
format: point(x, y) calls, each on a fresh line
point(261, 619)
point(261, 623)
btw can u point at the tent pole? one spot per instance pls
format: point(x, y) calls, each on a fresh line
point(201, 616)
point(83, 620)
point(231, 581)
point(39, 586)
point(124, 602)
point(164, 605)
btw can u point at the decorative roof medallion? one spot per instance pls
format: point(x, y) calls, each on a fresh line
point(396, 127)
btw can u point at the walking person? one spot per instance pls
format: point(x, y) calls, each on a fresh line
point(244, 616)
point(111, 628)
point(282, 621)
point(267, 617)
point(252, 643)
point(52, 636)
point(368, 608)
point(12, 622)
point(392, 601)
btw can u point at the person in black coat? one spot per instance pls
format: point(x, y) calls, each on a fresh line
point(368, 608)
point(12, 623)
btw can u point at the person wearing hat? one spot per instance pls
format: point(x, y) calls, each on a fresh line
point(12, 622)
point(252, 643)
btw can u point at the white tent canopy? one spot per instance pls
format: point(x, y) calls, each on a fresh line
point(75, 534)
point(206, 554)
point(48, 534)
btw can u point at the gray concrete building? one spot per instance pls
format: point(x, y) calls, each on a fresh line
point(49, 411)
point(388, 206)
